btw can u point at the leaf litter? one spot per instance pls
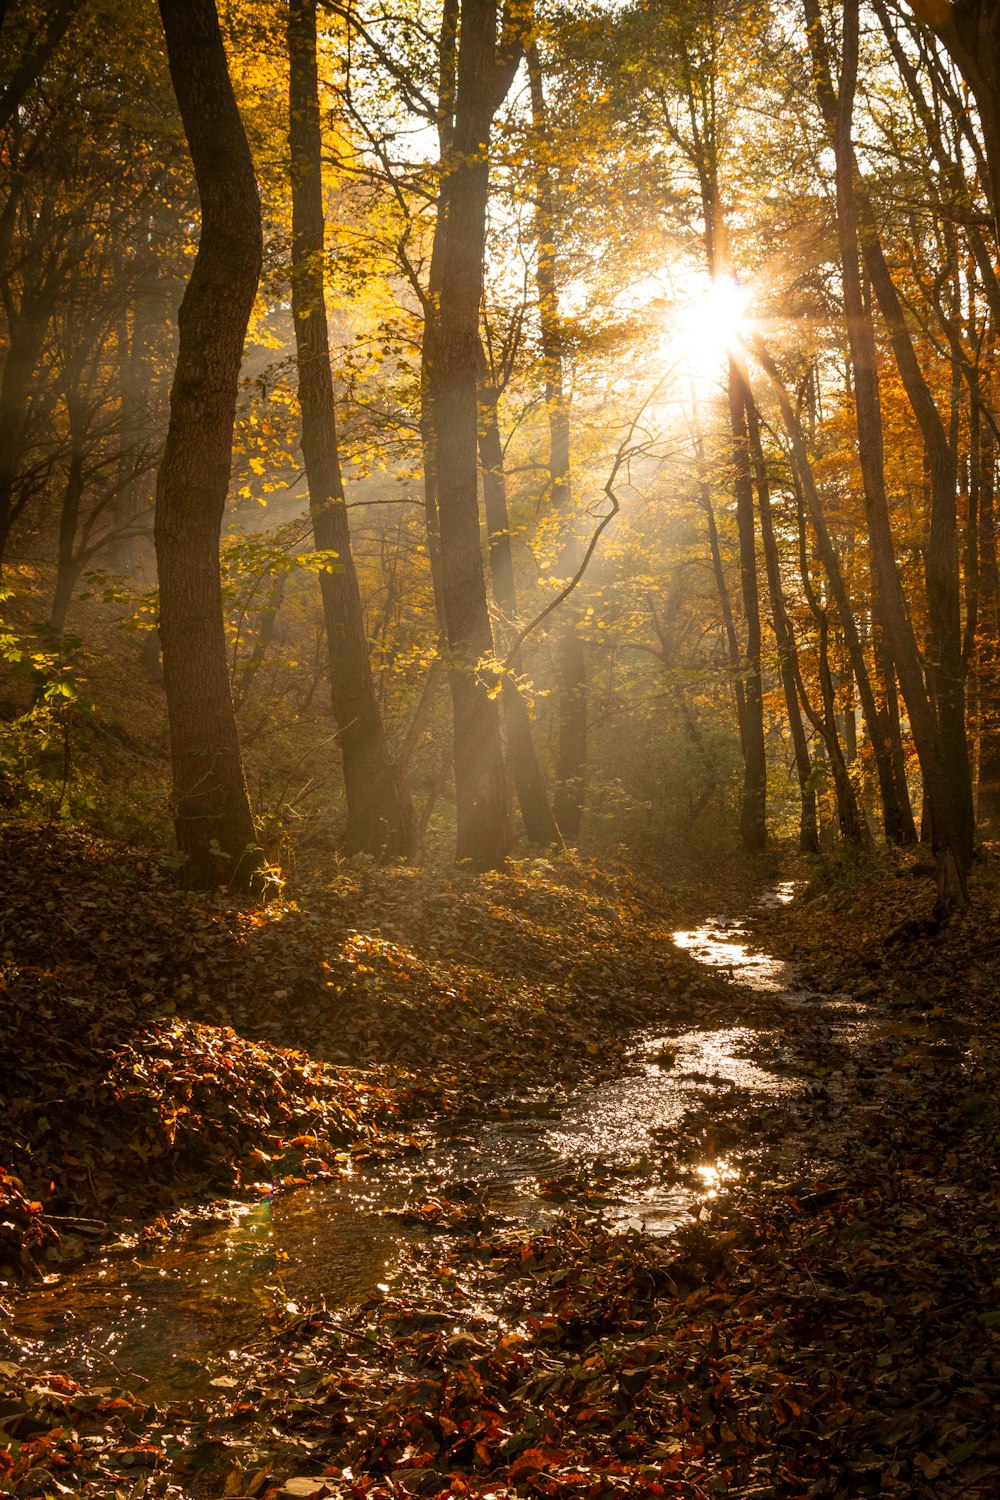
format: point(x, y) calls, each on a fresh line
point(827, 1323)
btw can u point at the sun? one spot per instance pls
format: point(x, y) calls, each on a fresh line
point(704, 320)
point(713, 321)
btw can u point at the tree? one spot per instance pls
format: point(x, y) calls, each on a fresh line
point(838, 108)
point(571, 764)
point(484, 75)
point(211, 808)
point(970, 30)
point(540, 825)
point(379, 816)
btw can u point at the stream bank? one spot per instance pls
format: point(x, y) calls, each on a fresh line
point(821, 1323)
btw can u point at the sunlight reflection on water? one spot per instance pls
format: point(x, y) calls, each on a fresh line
point(717, 944)
point(176, 1314)
point(170, 1313)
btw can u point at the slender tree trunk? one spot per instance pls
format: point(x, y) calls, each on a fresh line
point(783, 634)
point(214, 826)
point(453, 357)
point(971, 33)
point(851, 823)
point(536, 813)
point(266, 629)
point(379, 816)
point(25, 335)
point(721, 586)
point(988, 641)
point(838, 107)
point(67, 565)
point(850, 719)
point(447, 85)
point(896, 811)
point(571, 768)
point(946, 666)
point(885, 671)
point(753, 814)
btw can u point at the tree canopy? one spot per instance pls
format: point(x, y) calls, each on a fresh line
point(629, 368)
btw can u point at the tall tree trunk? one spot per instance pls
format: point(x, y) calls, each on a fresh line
point(212, 819)
point(452, 368)
point(946, 665)
point(838, 109)
point(571, 767)
point(67, 564)
point(896, 811)
point(379, 816)
point(753, 813)
point(970, 30)
point(447, 87)
point(988, 640)
point(719, 575)
point(885, 672)
point(25, 334)
point(783, 634)
point(852, 824)
point(529, 784)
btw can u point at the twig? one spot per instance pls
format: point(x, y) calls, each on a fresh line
point(624, 453)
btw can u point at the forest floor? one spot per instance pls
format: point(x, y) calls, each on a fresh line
point(827, 1323)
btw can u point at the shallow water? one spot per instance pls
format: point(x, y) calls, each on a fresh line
point(174, 1314)
point(178, 1317)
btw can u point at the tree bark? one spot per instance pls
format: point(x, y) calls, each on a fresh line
point(896, 811)
point(987, 657)
point(783, 634)
point(212, 818)
point(719, 575)
point(539, 824)
point(753, 813)
point(379, 815)
point(571, 766)
point(946, 665)
point(970, 30)
point(447, 87)
point(452, 368)
point(838, 109)
point(852, 824)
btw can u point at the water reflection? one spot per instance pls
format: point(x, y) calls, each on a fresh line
point(617, 1139)
point(718, 944)
point(172, 1315)
point(178, 1315)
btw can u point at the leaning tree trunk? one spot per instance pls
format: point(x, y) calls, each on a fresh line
point(212, 819)
point(946, 667)
point(447, 85)
point(379, 816)
point(719, 575)
point(452, 369)
point(849, 817)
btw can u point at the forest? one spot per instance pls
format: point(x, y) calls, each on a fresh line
point(499, 749)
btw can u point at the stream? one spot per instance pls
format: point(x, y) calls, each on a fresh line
point(179, 1318)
